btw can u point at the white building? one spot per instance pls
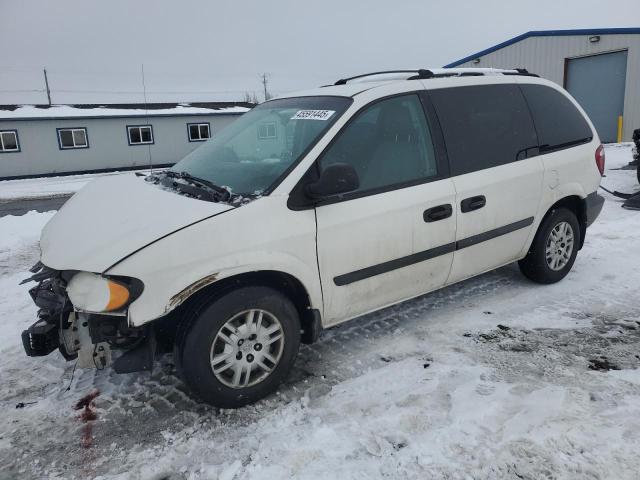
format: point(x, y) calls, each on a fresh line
point(599, 67)
point(40, 140)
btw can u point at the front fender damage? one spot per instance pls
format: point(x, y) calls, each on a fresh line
point(185, 293)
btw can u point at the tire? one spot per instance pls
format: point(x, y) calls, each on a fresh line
point(546, 269)
point(225, 332)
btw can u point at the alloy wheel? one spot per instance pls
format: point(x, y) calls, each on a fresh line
point(247, 348)
point(559, 246)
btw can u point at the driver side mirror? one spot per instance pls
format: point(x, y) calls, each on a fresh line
point(335, 179)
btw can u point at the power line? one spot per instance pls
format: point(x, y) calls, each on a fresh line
point(23, 90)
point(129, 92)
point(63, 90)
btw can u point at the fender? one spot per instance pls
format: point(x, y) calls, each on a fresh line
point(255, 237)
point(162, 297)
point(571, 189)
point(550, 197)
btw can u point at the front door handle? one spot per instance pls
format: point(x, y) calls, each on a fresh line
point(437, 213)
point(473, 203)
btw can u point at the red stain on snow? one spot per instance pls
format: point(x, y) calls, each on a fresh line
point(87, 416)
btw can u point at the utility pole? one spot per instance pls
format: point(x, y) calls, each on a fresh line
point(46, 82)
point(264, 84)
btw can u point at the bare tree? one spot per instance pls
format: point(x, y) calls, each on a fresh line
point(251, 97)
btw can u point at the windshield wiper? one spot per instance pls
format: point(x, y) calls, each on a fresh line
point(546, 148)
point(218, 194)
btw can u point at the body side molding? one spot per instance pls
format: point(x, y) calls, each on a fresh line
point(390, 265)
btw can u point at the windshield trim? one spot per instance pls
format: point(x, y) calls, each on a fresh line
point(276, 183)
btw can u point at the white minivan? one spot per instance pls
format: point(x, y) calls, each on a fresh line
point(310, 210)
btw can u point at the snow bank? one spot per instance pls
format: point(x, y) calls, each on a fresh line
point(49, 187)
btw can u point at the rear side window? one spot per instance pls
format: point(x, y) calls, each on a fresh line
point(558, 121)
point(484, 126)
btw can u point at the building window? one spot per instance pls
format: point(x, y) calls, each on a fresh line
point(9, 141)
point(69, 138)
point(198, 132)
point(140, 134)
point(267, 130)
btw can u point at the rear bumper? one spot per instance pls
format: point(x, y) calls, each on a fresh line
point(593, 204)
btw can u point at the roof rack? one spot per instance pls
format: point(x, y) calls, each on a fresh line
point(424, 74)
point(419, 73)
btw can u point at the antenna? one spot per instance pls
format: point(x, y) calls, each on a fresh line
point(146, 115)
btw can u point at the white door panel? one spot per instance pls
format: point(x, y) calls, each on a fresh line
point(374, 251)
point(513, 193)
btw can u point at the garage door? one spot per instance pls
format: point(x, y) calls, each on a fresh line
point(597, 83)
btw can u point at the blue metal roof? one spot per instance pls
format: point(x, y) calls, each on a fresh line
point(546, 33)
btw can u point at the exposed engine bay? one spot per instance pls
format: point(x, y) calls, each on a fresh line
point(89, 338)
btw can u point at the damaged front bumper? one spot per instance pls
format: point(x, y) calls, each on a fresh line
point(89, 338)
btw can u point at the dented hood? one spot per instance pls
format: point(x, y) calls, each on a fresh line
point(113, 217)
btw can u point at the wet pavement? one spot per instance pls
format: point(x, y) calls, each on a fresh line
point(23, 205)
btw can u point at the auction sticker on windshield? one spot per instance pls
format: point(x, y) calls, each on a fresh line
point(313, 115)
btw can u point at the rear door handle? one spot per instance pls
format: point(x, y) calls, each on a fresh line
point(437, 213)
point(472, 203)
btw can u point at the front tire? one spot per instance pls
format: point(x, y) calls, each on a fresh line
point(554, 248)
point(239, 347)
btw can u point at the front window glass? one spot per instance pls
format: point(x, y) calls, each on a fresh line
point(251, 154)
point(388, 144)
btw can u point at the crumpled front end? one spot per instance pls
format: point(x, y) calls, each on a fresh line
point(88, 337)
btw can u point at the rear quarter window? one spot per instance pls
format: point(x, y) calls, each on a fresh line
point(484, 126)
point(558, 122)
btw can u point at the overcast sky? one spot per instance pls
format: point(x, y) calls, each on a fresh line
point(217, 50)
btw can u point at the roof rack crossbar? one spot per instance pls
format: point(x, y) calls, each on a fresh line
point(423, 73)
point(419, 74)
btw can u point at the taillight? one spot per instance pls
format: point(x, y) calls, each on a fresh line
point(600, 159)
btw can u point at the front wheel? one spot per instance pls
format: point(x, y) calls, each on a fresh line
point(554, 248)
point(239, 347)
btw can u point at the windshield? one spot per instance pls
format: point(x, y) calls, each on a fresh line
point(251, 154)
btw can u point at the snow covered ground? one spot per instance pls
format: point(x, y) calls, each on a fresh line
point(48, 187)
point(495, 377)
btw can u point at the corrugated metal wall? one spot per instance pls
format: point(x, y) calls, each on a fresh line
point(108, 144)
point(546, 57)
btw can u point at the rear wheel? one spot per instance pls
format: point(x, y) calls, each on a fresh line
point(239, 347)
point(554, 248)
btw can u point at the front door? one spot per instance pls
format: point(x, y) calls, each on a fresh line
point(393, 238)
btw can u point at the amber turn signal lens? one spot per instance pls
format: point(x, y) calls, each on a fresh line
point(118, 296)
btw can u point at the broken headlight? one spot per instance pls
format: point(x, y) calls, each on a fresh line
point(91, 292)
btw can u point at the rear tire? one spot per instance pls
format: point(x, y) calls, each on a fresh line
point(238, 347)
point(554, 248)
